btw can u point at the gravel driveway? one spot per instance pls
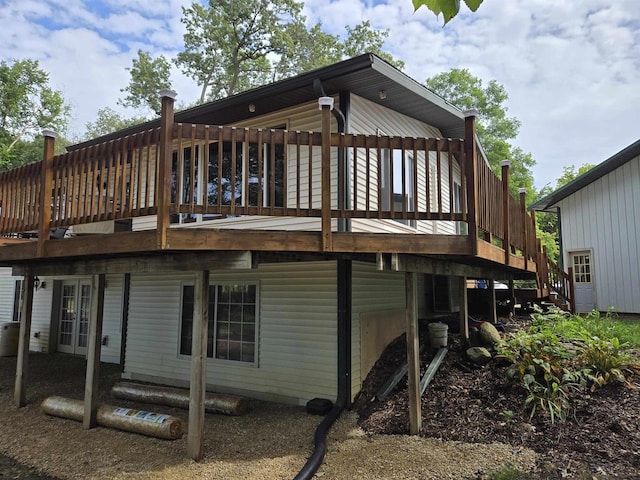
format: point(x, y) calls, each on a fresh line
point(272, 441)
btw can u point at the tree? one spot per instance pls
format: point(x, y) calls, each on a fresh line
point(448, 8)
point(148, 77)
point(227, 43)
point(362, 38)
point(495, 129)
point(108, 121)
point(27, 105)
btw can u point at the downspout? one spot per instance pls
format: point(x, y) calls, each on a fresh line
point(343, 291)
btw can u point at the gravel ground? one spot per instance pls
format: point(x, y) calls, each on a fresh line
point(271, 442)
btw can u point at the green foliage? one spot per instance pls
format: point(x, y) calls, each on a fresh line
point(561, 355)
point(363, 38)
point(494, 127)
point(108, 121)
point(148, 77)
point(27, 105)
point(448, 8)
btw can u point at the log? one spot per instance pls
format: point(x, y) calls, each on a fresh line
point(175, 397)
point(137, 421)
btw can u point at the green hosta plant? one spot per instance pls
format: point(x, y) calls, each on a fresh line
point(606, 361)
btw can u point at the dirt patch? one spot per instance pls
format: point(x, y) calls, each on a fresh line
point(272, 441)
point(600, 440)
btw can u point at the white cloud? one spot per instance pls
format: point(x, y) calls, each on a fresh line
point(571, 68)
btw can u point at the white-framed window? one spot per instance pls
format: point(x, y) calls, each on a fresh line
point(396, 169)
point(17, 301)
point(461, 227)
point(232, 323)
point(582, 268)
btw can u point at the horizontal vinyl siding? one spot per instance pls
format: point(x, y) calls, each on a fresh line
point(297, 332)
point(373, 291)
point(7, 291)
point(604, 217)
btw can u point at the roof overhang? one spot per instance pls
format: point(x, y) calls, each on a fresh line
point(365, 76)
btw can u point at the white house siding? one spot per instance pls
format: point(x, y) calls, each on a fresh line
point(372, 291)
point(7, 291)
point(604, 217)
point(42, 314)
point(370, 118)
point(297, 345)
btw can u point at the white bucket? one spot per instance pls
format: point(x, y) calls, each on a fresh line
point(438, 334)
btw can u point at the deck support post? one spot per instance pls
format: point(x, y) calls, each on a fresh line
point(163, 186)
point(326, 105)
point(46, 187)
point(470, 169)
point(94, 347)
point(493, 313)
point(512, 297)
point(523, 213)
point(505, 164)
point(413, 353)
point(22, 365)
point(464, 309)
point(572, 297)
point(197, 389)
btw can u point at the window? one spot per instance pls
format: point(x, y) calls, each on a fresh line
point(582, 268)
point(461, 227)
point(17, 301)
point(397, 179)
point(232, 322)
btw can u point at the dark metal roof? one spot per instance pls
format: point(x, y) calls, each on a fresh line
point(364, 75)
point(609, 165)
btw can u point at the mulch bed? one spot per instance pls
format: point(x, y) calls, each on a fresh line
point(601, 439)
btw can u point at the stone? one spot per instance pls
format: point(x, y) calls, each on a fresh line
point(489, 335)
point(479, 355)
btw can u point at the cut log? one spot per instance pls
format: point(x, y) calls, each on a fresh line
point(176, 397)
point(137, 421)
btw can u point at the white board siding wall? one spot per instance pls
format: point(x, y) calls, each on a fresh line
point(41, 316)
point(297, 345)
point(604, 217)
point(7, 291)
point(372, 291)
point(370, 118)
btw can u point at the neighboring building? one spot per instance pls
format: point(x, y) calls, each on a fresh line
point(599, 219)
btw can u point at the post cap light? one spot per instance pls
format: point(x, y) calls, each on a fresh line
point(49, 133)
point(505, 163)
point(167, 92)
point(472, 112)
point(324, 102)
point(522, 190)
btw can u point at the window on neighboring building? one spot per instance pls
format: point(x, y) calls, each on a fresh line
point(232, 325)
point(17, 301)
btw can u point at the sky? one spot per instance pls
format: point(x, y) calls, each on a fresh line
point(571, 67)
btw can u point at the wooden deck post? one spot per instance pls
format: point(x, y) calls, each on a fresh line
point(413, 353)
point(512, 297)
point(22, 365)
point(46, 187)
point(523, 213)
point(572, 297)
point(505, 164)
point(470, 154)
point(493, 313)
point(326, 105)
point(93, 352)
point(163, 185)
point(464, 309)
point(197, 389)
point(534, 237)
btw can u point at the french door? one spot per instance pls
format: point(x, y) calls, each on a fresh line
point(75, 308)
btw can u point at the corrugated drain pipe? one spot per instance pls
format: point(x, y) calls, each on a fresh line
point(344, 350)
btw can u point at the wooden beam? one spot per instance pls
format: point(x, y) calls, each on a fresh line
point(464, 309)
point(22, 364)
point(505, 164)
point(163, 185)
point(162, 262)
point(400, 262)
point(93, 352)
point(45, 191)
point(197, 390)
point(493, 313)
point(413, 354)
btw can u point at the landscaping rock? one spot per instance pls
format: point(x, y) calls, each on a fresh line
point(489, 335)
point(479, 355)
